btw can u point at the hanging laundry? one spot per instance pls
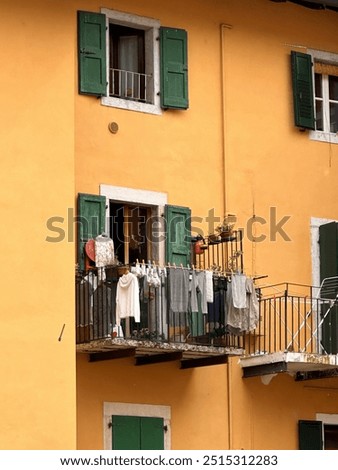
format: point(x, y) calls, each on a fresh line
point(238, 283)
point(209, 286)
point(127, 298)
point(242, 320)
point(104, 254)
point(178, 290)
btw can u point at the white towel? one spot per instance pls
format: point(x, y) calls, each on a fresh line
point(209, 287)
point(238, 283)
point(127, 298)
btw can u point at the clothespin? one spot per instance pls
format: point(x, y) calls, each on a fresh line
point(175, 265)
point(181, 266)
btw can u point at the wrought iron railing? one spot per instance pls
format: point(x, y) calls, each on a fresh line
point(293, 317)
point(96, 316)
point(130, 85)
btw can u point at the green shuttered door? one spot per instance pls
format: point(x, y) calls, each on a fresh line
point(178, 227)
point(328, 249)
point(91, 221)
point(137, 433)
point(310, 435)
point(92, 53)
point(303, 98)
point(174, 68)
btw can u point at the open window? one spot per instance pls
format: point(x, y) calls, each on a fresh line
point(315, 93)
point(132, 62)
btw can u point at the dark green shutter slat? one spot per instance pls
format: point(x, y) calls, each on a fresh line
point(92, 53)
point(328, 253)
point(310, 435)
point(178, 231)
point(174, 68)
point(91, 221)
point(302, 82)
point(126, 433)
point(152, 433)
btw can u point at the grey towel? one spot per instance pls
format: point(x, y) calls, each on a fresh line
point(178, 289)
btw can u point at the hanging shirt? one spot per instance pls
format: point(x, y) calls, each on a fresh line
point(238, 287)
point(127, 298)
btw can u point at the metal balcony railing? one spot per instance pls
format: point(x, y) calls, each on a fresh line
point(130, 85)
point(96, 317)
point(293, 317)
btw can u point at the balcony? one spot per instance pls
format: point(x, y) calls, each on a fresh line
point(160, 336)
point(297, 332)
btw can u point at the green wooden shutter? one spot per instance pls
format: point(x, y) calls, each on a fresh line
point(152, 433)
point(92, 53)
point(178, 241)
point(126, 433)
point(328, 253)
point(310, 435)
point(91, 221)
point(303, 98)
point(137, 433)
point(174, 68)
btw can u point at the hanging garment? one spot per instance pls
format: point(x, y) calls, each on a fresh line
point(199, 285)
point(242, 320)
point(238, 283)
point(104, 255)
point(102, 311)
point(178, 290)
point(209, 286)
point(127, 298)
point(217, 309)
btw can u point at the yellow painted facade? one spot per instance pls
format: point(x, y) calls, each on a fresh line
point(235, 150)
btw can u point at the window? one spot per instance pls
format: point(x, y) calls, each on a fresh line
point(132, 62)
point(131, 426)
point(315, 90)
point(140, 223)
point(321, 434)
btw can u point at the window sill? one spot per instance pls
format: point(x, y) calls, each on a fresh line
point(131, 105)
point(324, 137)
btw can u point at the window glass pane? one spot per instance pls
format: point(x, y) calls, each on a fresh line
point(318, 85)
point(334, 117)
point(319, 115)
point(333, 88)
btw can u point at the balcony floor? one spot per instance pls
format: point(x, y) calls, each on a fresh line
point(302, 365)
point(150, 352)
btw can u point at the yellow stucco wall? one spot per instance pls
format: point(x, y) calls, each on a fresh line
point(37, 405)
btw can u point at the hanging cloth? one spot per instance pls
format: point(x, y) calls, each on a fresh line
point(127, 298)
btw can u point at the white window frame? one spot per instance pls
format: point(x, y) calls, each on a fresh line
point(153, 199)
point(326, 135)
point(152, 59)
point(134, 409)
point(326, 419)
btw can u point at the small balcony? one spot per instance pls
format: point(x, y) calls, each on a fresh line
point(297, 332)
point(159, 336)
point(130, 85)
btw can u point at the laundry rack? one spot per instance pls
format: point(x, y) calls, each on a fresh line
point(327, 295)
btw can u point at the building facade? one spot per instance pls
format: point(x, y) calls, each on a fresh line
point(144, 126)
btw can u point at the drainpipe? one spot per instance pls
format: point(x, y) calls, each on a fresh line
point(224, 29)
point(229, 392)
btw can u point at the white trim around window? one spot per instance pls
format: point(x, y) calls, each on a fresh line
point(152, 59)
point(330, 58)
point(153, 199)
point(134, 409)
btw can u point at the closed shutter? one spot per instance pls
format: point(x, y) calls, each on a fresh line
point(328, 252)
point(90, 220)
point(310, 435)
point(152, 433)
point(137, 433)
point(178, 232)
point(303, 98)
point(174, 68)
point(126, 433)
point(92, 53)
